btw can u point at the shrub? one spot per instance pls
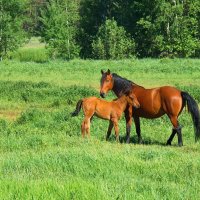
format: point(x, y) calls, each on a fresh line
point(112, 42)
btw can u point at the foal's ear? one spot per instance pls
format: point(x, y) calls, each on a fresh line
point(108, 72)
point(127, 92)
point(102, 72)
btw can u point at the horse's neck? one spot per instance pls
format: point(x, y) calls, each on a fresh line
point(117, 85)
point(117, 89)
point(120, 86)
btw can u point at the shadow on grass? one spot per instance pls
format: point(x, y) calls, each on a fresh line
point(145, 141)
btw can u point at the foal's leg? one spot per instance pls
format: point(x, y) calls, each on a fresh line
point(176, 129)
point(137, 126)
point(116, 127)
point(109, 130)
point(83, 128)
point(86, 122)
point(87, 126)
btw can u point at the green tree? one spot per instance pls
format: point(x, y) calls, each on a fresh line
point(112, 42)
point(158, 26)
point(33, 23)
point(168, 28)
point(12, 34)
point(59, 28)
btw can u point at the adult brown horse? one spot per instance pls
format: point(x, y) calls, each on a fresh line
point(154, 103)
point(111, 111)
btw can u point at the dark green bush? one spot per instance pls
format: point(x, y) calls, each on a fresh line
point(112, 42)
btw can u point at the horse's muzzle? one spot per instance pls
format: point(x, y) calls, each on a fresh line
point(102, 94)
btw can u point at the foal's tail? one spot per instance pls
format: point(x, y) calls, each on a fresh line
point(194, 111)
point(78, 108)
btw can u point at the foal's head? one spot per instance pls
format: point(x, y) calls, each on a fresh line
point(106, 83)
point(132, 99)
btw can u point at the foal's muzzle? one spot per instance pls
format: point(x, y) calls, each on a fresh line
point(136, 106)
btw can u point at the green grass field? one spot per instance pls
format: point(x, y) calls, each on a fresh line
point(42, 154)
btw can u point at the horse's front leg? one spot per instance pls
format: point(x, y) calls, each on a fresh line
point(137, 126)
point(109, 130)
point(128, 117)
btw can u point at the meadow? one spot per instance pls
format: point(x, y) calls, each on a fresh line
point(42, 154)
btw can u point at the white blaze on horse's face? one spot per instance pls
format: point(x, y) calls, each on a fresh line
point(106, 83)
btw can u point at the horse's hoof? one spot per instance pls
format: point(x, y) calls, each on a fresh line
point(127, 141)
point(180, 144)
point(139, 141)
point(168, 143)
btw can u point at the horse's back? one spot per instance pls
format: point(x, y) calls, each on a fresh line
point(155, 102)
point(169, 90)
point(171, 100)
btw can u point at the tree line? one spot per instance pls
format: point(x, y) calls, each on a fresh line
point(103, 29)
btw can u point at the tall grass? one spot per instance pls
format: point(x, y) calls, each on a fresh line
point(44, 157)
point(39, 55)
point(33, 51)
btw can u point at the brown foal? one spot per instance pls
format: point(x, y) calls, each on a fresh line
point(111, 111)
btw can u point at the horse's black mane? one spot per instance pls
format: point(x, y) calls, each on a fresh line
point(121, 85)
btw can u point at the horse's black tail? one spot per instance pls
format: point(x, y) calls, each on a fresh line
point(194, 111)
point(78, 108)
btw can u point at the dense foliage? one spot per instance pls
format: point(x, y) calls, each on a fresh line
point(155, 28)
point(59, 28)
point(112, 42)
point(12, 18)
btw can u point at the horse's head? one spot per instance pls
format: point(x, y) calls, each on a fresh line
point(132, 99)
point(106, 83)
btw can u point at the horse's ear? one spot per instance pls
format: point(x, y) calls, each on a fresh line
point(108, 72)
point(102, 72)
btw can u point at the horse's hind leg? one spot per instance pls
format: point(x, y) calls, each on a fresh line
point(169, 141)
point(109, 130)
point(176, 129)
